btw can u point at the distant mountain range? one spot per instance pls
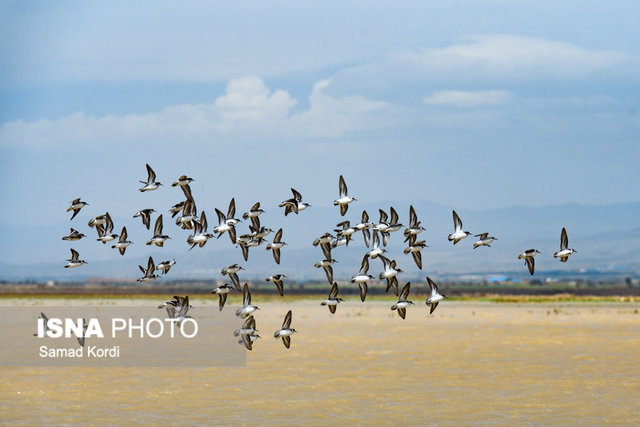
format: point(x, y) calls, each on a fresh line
point(607, 238)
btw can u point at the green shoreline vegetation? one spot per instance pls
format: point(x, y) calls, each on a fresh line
point(271, 298)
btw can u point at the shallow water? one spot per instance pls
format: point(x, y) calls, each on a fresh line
point(471, 363)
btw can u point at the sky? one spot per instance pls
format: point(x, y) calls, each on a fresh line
point(468, 104)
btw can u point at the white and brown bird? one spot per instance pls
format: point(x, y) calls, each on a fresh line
point(564, 251)
point(435, 297)
point(123, 243)
point(145, 214)
point(73, 235)
point(365, 226)
point(106, 235)
point(414, 249)
point(277, 280)
point(75, 260)
point(344, 199)
point(285, 331)
point(528, 257)
point(362, 277)
point(165, 266)
point(276, 245)
point(457, 234)
point(246, 309)
point(158, 238)
point(148, 274)
point(182, 181)
point(232, 270)
point(326, 266)
point(294, 204)
point(76, 205)
point(483, 240)
point(390, 274)
point(150, 184)
point(254, 212)
point(333, 300)
point(222, 292)
point(403, 301)
point(414, 225)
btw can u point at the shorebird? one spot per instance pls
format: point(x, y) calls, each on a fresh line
point(76, 205)
point(528, 258)
point(414, 249)
point(333, 300)
point(106, 234)
point(73, 235)
point(254, 212)
point(176, 209)
point(222, 292)
point(145, 214)
point(182, 181)
point(458, 234)
point(46, 326)
point(340, 241)
point(247, 332)
point(248, 340)
point(200, 235)
point(158, 238)
point(564, 251)
point(246, 308)
point(389, 274)
point(248, 327)
point(277, 280)
point(325, 244)
point(435, 296)
point(181, 312)
point(286, 331)
point(376, 250)
point(122, 242)
point(175, 305)
point(148, 273)
point(346, 231)
point(394, 225)
point(414, 225)
point(231, 213)
point(483, 240)
point(344, 200)
point(382, 226)
point(365, 226)
point(99, 220)
point(225, 225)
point(403, 302)
point(362, 277)
point(74, 262)
point(150, 184)
point(165, 266)
point(81, 338)
point(276, 245)
point(294, 204)
point(326, 266)
point(189, 214)
point(232, 271)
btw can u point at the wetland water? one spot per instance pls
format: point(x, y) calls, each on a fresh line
point(469, 363)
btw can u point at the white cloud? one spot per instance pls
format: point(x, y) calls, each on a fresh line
point(460, 98)
point(490, 59)
point(248, 107)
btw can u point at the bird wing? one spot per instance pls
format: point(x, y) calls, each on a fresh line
point(564, 239)
point(151, 175)
point(287, 320)
point(457, 223)
point(342, 186)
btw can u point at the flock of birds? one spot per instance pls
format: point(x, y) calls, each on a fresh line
point(376, 237)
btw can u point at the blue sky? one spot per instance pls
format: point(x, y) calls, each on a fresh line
point(468, 104)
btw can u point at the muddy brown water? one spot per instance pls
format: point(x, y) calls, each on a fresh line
point(469, 363)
